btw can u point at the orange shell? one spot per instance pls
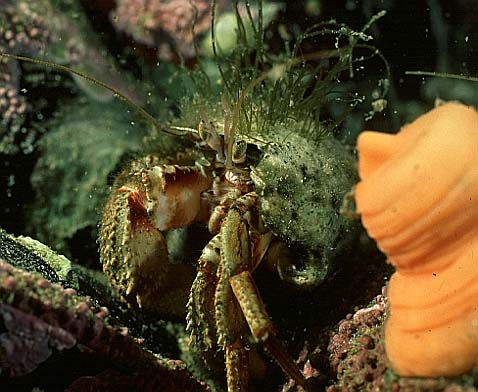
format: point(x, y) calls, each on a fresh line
point(418, 198)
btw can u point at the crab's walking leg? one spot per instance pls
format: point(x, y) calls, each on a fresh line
point(245, 241)
point(231, 327)
point(237, 365)
point(214, 316)
point(200, 307)
point(261, 327)
point(231, 330)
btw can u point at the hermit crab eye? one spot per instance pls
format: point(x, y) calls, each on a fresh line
point(239, 150)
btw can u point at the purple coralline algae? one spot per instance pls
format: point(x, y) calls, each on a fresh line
point(358, 361)
point(22, 30)
point(168, 25)
point(356, 350)
point(39, 317)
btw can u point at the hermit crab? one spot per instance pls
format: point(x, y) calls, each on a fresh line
point(218, 184)
point(219, 187)
point(266, 178)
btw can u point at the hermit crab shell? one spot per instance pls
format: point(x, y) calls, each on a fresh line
point(418, 198)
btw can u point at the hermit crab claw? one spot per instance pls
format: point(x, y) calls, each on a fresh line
point(146, 201)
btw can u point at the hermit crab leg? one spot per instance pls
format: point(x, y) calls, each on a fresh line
point(211, 294)
point(231, 331)
point(260, 325)
point(235, 254)
point(237, 365)
point(244, 245)
point(200, 305)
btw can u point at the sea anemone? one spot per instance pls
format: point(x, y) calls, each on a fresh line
point(418, 198)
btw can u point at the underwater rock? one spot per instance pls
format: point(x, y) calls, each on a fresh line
point(39, 318)
point(166, 25)
point(58, 262)
point(112, 379)
point(28, 341)
point(20, 256)
point(60, 31)
point(37, 313)
point(359, 363)
point(175, 28)
point(22, 30)
point(356, 350)
point(31, 255)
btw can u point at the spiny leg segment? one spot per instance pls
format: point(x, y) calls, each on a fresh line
point(224, 288)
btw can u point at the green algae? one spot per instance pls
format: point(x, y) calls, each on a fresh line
point(71, 178)
point(58, 262)
point(19, 255)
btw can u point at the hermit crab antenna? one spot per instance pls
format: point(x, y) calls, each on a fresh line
point(235, 114)
point(442, 75)
point(274, 72)
point(177, 130)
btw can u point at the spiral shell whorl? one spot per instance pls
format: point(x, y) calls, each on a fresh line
point(418, 198)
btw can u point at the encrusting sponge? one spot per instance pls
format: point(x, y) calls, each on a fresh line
point(418, 198)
